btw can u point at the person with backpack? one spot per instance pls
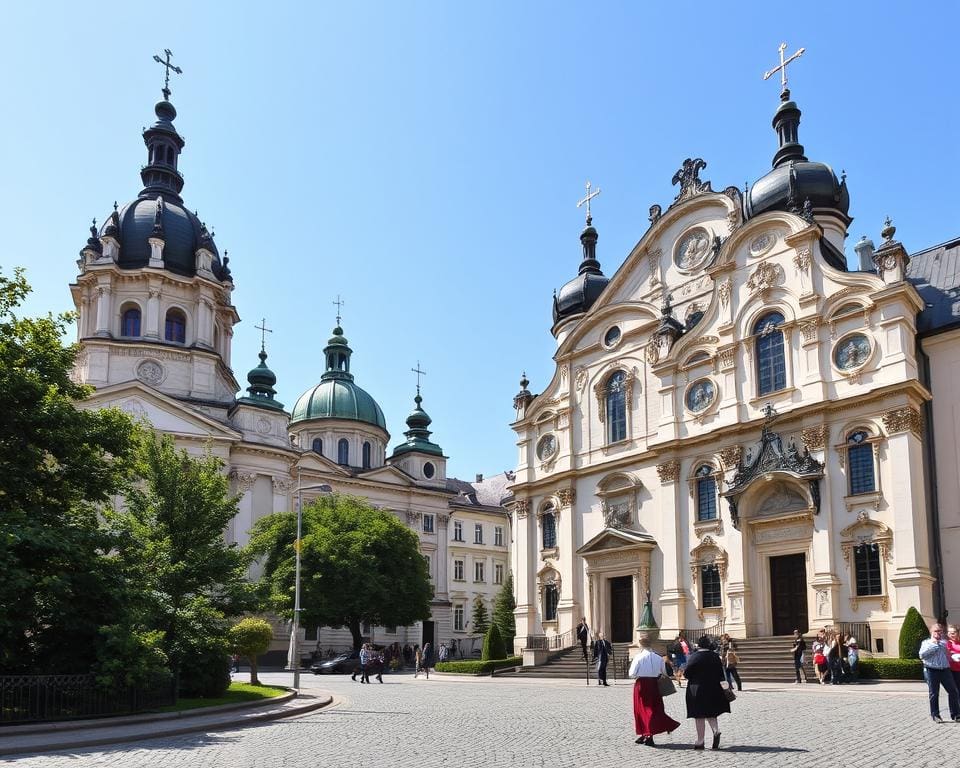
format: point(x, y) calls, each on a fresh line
point(728, 653)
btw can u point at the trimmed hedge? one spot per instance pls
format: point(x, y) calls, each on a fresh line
point(913, 631)
point(891, 669)
point(493, 647)
point(478, 667)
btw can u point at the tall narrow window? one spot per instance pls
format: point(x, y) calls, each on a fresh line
point(771, 363)
point(616, 406)
point(478, 571)
point(458, 618)
point(478, 533)
point(551, 598)
point(706, 493)
point(130, 324)
point(366, 455)
point(498, 535)
point(498, 573)
point(710, 586)
point(860, 461)
point(549, 525)
point(867, 563)
point(343, 452)
point(175, 328)
point(318, 445)
point(458, 570)
point(457, 530)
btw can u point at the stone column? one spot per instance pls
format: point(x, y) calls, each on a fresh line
point(243, 486)
point(205, 323)
point(673, 598)
point(443, 521)
point(104, 310)
point(911, 577)
point(568, 609)
point(524, 571)
point(151, 328)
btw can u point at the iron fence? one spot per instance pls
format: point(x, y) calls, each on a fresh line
point(34, 698)
point(858, 629)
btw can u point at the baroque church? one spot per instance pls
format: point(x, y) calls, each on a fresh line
point(155, 328)
point(739, 433)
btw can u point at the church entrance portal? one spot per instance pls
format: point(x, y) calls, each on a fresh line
point(788, 593)
point(621, 609)
point(427, 636)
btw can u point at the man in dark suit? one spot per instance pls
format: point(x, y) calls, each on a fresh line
point(583, 636)
point(602, 650)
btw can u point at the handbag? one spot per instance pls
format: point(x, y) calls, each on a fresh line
point(666, 686)
point(728, 692)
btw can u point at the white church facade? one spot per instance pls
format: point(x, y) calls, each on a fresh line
point(739, 426)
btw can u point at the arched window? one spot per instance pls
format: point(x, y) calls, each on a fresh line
point(710, 586)
point(343, 451)
point(771, 363)
point(866, 558)
point(176, 327)
point(548, 525)
point(860, 461)
point(318, 445)
point(706, 493)
point(551, 599)
point(366, 455)
point(130, 322)
point(616, 406)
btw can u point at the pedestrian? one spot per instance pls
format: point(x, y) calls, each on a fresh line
point(364, 663)
point(583, 636)
point(728, 654)
point(648, 714)
point(834, 654)
point(443, 653)
point(953, 652)
point(417, 660)
point(818, 646)
point(378, 663)
point(936, 671)
point(426, 659)
point(678, 657)
point(601, 654)
point(706, 697)
point(235, 661)
point(853, 659)
point(799, 646)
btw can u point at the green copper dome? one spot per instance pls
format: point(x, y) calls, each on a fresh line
point(418, 436)
point(261, 391)
point(337, 396)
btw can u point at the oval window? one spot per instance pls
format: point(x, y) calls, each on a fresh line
point(612, 336)
point(428, 470)
point(547, 447)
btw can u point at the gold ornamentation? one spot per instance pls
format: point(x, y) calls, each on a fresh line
point(815, 438)
point(523, 508)
point(567, 496)
point(730, 456)
point(903, 419)
point(669, 471)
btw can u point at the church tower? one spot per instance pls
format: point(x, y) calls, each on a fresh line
point(153, 294)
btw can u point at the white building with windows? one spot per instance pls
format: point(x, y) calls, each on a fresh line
point(741, 426)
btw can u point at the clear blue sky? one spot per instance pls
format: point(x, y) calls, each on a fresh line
point(424, 159)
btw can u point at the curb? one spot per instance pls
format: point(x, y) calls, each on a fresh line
point(253, 719)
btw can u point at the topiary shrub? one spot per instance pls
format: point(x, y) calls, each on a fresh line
point(250, 637)
point(493, 647)
point(890, 669)
point(478, 667)
point(913, 632)
point(205, 671)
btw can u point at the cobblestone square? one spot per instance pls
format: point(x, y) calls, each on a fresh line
point(450, 722)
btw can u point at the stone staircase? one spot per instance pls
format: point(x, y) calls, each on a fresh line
point(569, 664)
point(768, 659)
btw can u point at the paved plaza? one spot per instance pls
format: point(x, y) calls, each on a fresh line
point(452, 722)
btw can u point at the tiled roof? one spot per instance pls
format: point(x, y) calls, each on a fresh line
point(935, 273)
point(488, 492)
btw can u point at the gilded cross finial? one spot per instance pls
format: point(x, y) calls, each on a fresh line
point(339, 302)
point(263, 332)
point(782, 68)
point(419, 374)
point(168, 66)
point(586, 201)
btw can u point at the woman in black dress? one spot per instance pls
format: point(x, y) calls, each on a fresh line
point(705, 695)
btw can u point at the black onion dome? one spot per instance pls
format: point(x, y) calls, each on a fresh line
point(794, 179)
point(579, 294)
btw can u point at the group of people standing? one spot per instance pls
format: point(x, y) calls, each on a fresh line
point(708, 692)
point(836, 656)
point(601, 650)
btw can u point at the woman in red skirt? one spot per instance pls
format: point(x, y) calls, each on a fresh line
point(648, 712)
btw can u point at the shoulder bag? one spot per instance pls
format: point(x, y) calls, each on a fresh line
point(666, 686)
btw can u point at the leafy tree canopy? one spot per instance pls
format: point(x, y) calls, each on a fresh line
point(57, 465)
point(359, 564)
point(250, 637)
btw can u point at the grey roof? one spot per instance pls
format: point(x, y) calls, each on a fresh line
point(935, 273)
point(489, 492)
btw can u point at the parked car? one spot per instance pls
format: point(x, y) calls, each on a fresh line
point(345, 663)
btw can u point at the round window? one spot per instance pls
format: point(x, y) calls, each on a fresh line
point(612, 336)
point(851, 352)
point(547, 447)
point(700, 395)
point(428, 470)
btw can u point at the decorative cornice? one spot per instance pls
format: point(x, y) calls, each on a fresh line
point(567, 496)
point(902, 420)
point(523, 508)
point(669, 471)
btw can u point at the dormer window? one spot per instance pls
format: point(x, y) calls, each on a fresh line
point(366, 455)
point(175, 328)
point(343, 452)
point(318, 445)
point(130, 322)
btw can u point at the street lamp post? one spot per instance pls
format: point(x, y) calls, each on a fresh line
point(324, 488)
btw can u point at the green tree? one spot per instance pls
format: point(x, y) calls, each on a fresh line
point(493, 647)
point(58, 465)
point(359, 564)
point(503, 612)
point(169, 537)
point(479, 619)
point(913, 631)
point(250, 637)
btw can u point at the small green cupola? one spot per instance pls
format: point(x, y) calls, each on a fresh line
point(417, 434)
point(261, 389)
point(337, 353)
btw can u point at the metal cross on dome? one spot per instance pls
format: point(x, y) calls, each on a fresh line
point(263, 333)
point(586, 200)
point(339, 302)
point(782, 68)
point(169, 66)
point(419, 374)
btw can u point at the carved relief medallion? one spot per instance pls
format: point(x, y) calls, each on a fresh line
point(150, 372)
point(692, 249)
point(701, 395)
point(762, 243)
point(852, 352)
